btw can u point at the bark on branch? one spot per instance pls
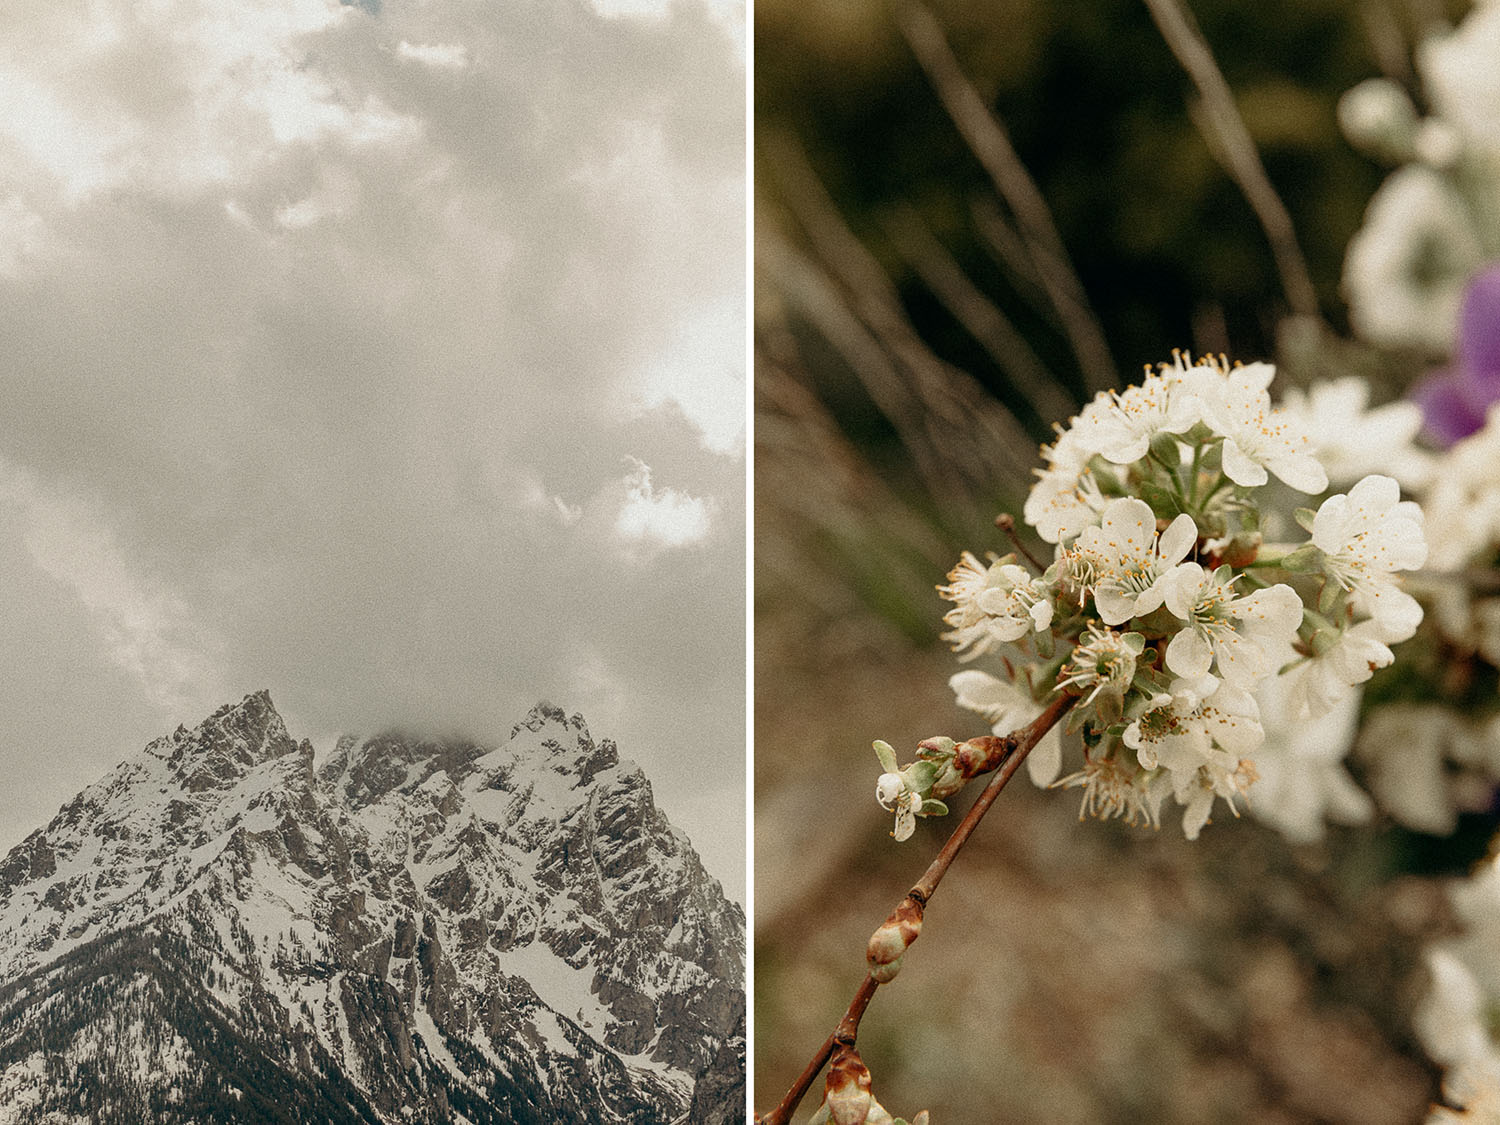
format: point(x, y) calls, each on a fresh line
point(1004, 755)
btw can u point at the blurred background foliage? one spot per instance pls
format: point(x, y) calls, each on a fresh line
point(932, 294)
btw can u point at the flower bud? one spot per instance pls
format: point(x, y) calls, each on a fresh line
point(979, 754)
point(1378, 117)
point(847, 1091)
point(936, 749)
point(884, 974)
point(889, 942)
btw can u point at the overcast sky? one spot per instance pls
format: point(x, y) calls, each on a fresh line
point(390, 357)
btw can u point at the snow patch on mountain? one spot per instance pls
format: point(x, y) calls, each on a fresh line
point(408, 929)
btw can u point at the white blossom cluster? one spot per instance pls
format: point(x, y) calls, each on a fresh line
point(1165, 611)
point(1436, 219)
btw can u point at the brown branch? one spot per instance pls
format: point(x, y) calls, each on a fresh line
point(1007, 523)
point(1005, 753)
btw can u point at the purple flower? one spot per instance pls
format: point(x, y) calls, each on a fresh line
point(1454, 399)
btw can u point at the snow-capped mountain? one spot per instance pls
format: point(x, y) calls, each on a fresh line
point(412, 931)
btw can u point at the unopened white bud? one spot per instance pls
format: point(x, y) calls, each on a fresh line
point(1378, 117)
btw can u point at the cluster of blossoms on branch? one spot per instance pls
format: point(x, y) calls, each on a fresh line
point(1164, 610)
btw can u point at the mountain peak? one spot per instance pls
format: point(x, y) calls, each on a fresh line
point(234, 739)
point(432, 923)
point(545, 712)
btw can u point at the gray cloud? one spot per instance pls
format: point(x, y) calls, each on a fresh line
point(334, 387)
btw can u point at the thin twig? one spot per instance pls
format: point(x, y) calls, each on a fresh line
point(980, 316)
point(965, 429)
point(806, 287)
point(1007, 523)
point(1009, 251)
point(1237, 150)
point(990, 143)
point(1007, 753)
point(1387, 41)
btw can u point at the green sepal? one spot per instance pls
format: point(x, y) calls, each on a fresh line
point(1211, 524)
point(921, 775)
point(1152, 681)
point(1330, 598)
point(1135, 642)
point(1250, 518)
point(1303, 560)
point(935, 753)
point(1109, 707)
point(1304, 518)
point(1046, 674)
point(931, 807)
point(1166, 449)
point(1077, 717)
point(1163, 502)
point(886, 755)
point(1105, 476)
point(1160, 622)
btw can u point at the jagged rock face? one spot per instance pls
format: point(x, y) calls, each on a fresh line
point(413, 931)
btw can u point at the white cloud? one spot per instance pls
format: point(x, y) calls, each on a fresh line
point(728, 14)
point(173, 97)
point(665, 518)
point(325, 359)
point(21, 233)
point(148, 632)
point(447, 56)
point(701, 369)
point(535, 497)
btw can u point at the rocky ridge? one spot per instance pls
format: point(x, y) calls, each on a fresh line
point(411, 930)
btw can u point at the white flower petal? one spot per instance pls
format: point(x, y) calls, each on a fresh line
point(1189, 654)
point(1240, 468)
point(1241, 661)
point(1181, 586)
point(906, 824)
point(1302, 472)
point(1130, 525)
point(1395, 611)
point(984, 693)
point(888, 789)
point(1177, 540)
point(1115, 607)
point(1044, 762)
